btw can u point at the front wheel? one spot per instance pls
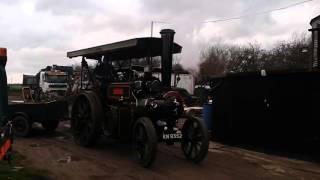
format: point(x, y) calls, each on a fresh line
point(195, 141)
point(144, 141)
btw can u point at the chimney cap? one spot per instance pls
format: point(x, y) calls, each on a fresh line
point(315, 20)
point(3, 52)
point(167, 31)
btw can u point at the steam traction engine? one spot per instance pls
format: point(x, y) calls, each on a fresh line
point(123, 103)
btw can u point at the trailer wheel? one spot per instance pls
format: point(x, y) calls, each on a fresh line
point(21, 126)
point(144, 141)
point(50, 126)
point(195, 141)
point(86, 117)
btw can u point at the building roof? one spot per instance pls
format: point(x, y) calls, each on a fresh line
point(315, 19)
point(128, 49)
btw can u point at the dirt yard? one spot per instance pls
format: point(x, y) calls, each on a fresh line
point(58, 154)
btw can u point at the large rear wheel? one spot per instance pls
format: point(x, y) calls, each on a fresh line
point(86, 119)
point(195, 141)
point(144, 141)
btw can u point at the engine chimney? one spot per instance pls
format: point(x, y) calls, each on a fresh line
point(167, 36)
point(315, 24)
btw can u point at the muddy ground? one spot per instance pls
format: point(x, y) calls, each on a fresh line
point(58, 154)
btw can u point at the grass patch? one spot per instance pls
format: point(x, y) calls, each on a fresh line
point(26, 173)
point(14, 87)
point(15, 90)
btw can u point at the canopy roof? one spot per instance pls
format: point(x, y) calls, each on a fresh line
point(128, 49)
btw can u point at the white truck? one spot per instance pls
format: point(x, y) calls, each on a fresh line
point(53, 82)
point(48, 83)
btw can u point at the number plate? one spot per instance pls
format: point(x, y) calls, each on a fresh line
point(172, 136)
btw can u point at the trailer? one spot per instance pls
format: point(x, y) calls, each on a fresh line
point(24, 114)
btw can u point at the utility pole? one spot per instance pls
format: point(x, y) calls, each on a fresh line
point(156, 22)
point(151, 29)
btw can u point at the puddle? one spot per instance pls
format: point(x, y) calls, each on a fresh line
point(68, 158)
point(17, 168)
point(274, 168)
point(64, 160)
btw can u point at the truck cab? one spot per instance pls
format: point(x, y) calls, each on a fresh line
point(53, 81)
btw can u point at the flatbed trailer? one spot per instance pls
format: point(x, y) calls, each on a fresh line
point(281, 105)
point(24, 114)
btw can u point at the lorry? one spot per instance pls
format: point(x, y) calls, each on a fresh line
point(53, 82)
point(49, 83)
point(40, 103)
point(21, 114)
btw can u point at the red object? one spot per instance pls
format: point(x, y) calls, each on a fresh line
point(174, 94)
point(117, 91)
point(3, 52)
point(4, 148)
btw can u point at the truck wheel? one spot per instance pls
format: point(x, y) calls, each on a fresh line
point(21, 126)
point(144, 141)
point(195, 141)
point(86, 117)
point(50, 126)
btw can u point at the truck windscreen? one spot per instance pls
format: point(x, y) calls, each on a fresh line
point(56, 79)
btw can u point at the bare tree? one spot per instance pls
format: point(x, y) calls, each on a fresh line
point(213, 61)
point(219, 59)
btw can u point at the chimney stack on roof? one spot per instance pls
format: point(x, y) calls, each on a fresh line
point(315, 24)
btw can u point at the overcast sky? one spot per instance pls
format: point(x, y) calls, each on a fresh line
point(40, 32)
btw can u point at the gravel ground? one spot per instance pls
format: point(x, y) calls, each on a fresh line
point(58, 154)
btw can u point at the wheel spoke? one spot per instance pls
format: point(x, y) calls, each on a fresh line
point(190, 132)
point(144, 135)
point(80, 107)
point(190, 149)
point(141, 134)
point(197, 138)
point(197, 149)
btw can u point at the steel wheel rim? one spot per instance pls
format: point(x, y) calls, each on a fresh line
point(192, 140)
point(82, 120)
point(141, 141)
point(20, 125)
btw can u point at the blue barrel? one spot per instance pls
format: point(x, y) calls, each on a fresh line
point(207, 115)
